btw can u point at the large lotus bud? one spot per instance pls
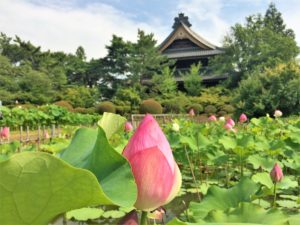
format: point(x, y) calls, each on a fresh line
point(277, 113)
point(155, 171)
point(231, 122)
point(276, 173)
point(192, 112)
point(243, 118)
point(5, 132)
point(212, 118)
point(128, 127)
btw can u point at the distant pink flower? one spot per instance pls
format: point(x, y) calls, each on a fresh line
point(192, 112)
point(46, 135)
point(4, 132)
point(276, 173)
point(277, 113)
point(231, 122)
point(130, 219)
point(228, 126)
point(155, 171)
point(243, 118)
point(128, 127)
point(212, 118)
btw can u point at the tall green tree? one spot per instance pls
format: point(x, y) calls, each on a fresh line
point(164, 83)
point(193, 80)
point(263, 41)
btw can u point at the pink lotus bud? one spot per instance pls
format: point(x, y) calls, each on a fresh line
point(228, 126)
point(128, 127)
point(212, 118)
point(231, 122)
point(192, 112)
point(46, 135)
point(277, 113)
point(243, 118)
point(276, 173)
point(5, 132)
point(155, 171)
point(130, 219)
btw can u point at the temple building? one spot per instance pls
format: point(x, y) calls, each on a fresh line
point(187, 48)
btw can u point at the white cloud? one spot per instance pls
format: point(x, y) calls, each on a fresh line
point(205, 16)
point(65, 28)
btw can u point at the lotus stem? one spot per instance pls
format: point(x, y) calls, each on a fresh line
point(274, 200)
point(144, 220)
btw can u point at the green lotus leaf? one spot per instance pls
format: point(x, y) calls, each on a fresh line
point(228, 142)
point(90, 149)
point(85, 214)
point(111, 123)
point(264, 179)
point(221, 199)
point(113, 214)
point(247, 213)
point(36, 187)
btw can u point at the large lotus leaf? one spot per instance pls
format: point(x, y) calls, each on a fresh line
point(90, 150)
point(247, 213)
point(178, 222)
point(221, 199)
point(36, 187)
point(228, 142)
point(265, 179)
point(111, 123)
point(265, 163)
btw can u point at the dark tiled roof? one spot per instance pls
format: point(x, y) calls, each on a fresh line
point(182, 54)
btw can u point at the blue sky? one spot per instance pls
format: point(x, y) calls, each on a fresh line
point(63, 25)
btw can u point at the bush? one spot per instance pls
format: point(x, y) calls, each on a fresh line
point(196, 107)
point(105, 107)
point(84, 110)
point(222, 113)
point(123, 109)
point(210, 109)
point(151, 106)
point(64, 104)
point(177, 104)
point(228, 108)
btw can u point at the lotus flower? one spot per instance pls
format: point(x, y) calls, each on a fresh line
point(222, 118)
point(243, 118)
point(277, 113)
point(5, 133)
point(212, 118)
point(231, 122)
point(155, 171)
point(46, 135)
point(192, 112)
point(228, 126)
point(276, 173)
point(175, 127)
point(128, 127)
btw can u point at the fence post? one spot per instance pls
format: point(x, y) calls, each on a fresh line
point(39, 136)
point(21, 134)
point(27, 133)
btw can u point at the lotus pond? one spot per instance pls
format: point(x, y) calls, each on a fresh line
point(225, 176)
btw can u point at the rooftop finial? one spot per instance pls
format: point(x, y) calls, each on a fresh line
point(181, 19)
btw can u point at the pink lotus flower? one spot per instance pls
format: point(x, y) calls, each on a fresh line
point(228, 126)
point(46, 135)
point(192, 112)
point(277, 113)
point(128, 127)
point(212, 118)
point(276, 173)
point(243, 118)
point(155, 171)
point(231, 122)
point(4, 132)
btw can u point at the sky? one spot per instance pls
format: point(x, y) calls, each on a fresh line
point(63, 25)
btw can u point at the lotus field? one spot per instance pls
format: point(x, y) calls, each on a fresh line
point(222, 172)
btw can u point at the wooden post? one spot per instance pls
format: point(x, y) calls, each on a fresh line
point(21, 134)
point(53, 131)
point(27, 133)
point(39, 136)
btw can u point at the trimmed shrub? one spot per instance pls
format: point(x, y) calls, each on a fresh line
point(222, 113)
point(64, 104)
point(151, 106)
point(84, 110)
point(228, 108)
point(197, 108)
point(210, 109)
point(105, 107)
point(176, 105)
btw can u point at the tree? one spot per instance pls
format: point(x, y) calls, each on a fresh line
point(164, 83)
point(275, 88)
point(262, 42)
point(193, 80)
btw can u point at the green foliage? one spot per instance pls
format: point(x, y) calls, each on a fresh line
point(196, 107)
point(64, 104)
point(80, 96)
point(48, 180)
point(105, 107)
point(262, 42)
point(164, 84)
point(151, 106)
point(128, 95)
point(192, 80)
point(228, 109)
point(177, 104)
point(276, 88)
point(210, 109)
